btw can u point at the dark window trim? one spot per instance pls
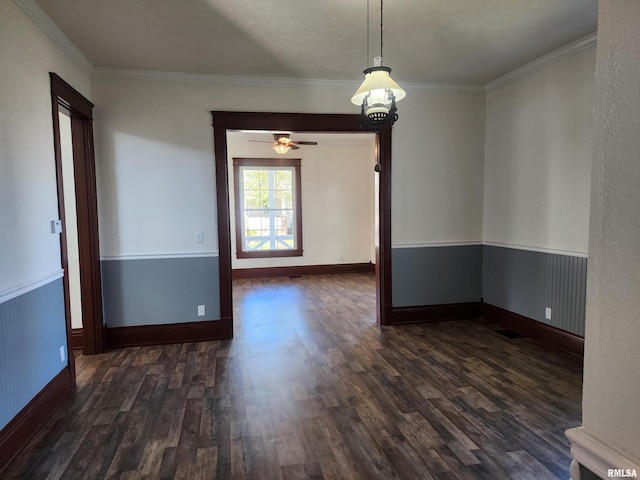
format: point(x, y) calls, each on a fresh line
point(268, 162)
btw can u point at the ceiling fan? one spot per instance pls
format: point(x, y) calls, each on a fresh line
point(282, 143)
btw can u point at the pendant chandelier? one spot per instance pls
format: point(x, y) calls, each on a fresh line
point(378, 94)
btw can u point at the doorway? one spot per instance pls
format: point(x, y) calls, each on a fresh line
point(80, 258)
point(71, 225)
point(224, 121)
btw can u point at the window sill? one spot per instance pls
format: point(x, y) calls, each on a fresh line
point(270, 254)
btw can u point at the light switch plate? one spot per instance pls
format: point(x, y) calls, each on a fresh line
point(56, 226)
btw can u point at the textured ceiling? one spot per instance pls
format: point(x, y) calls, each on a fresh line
point(425, 41)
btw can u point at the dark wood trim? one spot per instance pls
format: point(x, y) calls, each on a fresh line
point(70, 98)
point(118, 337)
point(16, 434)
point(435, 313)
point(283, 253)
point(561, 339)
point(76, 338)
point(332, 269)
point(301, 122)
point(297, 205)
point(383, 245)
point(224, 223)
point(79, 108)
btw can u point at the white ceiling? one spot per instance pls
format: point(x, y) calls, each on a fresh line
point(460, 42)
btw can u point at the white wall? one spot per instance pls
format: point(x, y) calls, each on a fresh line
point(337, 198)
point(154, 170)
point(538, 150)
point(28, 197)
point(155, 163)
point(611, 413)
point(437, 183)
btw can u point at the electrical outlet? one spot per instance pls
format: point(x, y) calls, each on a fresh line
point(201, 310)
point(547, 313)
point(62, 354)
point(199, 237)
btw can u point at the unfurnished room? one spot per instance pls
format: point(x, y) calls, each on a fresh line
point(331, 240)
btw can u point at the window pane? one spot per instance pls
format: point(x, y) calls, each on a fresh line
point(283, 179)
point(252, 199)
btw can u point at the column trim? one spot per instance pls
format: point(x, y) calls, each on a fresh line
point(593, 454)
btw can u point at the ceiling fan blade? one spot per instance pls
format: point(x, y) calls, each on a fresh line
point(306, 143)
point(293, 146)
point(259, 141)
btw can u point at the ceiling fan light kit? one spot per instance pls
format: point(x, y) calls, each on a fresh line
point(281, 148)
point(378, 93)
point(282, 143)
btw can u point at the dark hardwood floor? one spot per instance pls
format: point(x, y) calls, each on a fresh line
point(311, 387)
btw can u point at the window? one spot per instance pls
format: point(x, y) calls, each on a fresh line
point(268, 207)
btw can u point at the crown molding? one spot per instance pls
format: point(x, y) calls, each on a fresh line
point(233, 80)
point(48, 26)
point(257, 81)
point(548, 59)
point(442, 87)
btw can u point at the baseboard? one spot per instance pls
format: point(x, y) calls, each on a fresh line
point(339, 268)
point(435, 313)
point(15, 436)
point(76, 338)
point(171, 333)
point(567, 341)
point(599, 457)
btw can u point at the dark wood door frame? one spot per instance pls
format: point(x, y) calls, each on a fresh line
point(64, 97)
point(300, 122)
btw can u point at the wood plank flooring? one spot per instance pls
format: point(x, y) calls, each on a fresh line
point(311, 388)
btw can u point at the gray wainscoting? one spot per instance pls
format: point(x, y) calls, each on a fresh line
point(436, 275)
point(159, 291)
point(526, 282)
point(32, 330)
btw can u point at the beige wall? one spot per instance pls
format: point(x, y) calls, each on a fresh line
point(537, 161)
point(437, 183)
point(155, 162)
point(28, 193)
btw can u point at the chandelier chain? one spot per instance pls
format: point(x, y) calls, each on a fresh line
point(381, 30)
point(367, 63)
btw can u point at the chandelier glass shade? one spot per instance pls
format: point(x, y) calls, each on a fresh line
point(378, 93)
